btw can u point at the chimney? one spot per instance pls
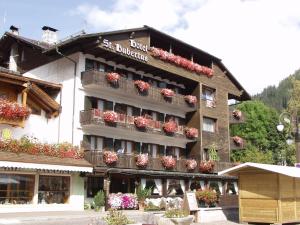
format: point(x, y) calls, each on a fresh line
point(14, 30)
point(49, 35)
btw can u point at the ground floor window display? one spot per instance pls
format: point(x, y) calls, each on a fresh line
point(16, 188)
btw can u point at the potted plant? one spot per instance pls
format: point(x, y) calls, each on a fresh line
point(113, 78)
point(142, 194)
point(142, 160)
point(191, 132)
point(115, 217)
point(99, 201)
point(167, 93)
point(190, 99)
point(110, 116)
point(207, 197)
point(168, 162)
point(237, 114)
point(238, 140)
point(191, 164)
point(176, 216)
point(170, 127)
point(206, 166)
point(13, 111)
point(142, 85)
point(110, 157)
point(141, 122)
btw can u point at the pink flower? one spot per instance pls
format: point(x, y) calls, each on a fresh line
point(238, 140)
point(191, 164)
point(170, 127)
point(237, 114)
point(110, 157)
point(141, 122)
point(167, 92)
point(191, 99)
point(168, 162)
point(13, 111)
point(142, 85)
point(191, 132)
point(110, 116)
point(142, 160)
point(112, 77)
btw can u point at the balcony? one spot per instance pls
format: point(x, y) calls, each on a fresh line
point(127, 92)
point(127, 161)
point(92, 122)
point(236, 117)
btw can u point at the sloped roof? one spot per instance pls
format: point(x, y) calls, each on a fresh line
point(284, 170)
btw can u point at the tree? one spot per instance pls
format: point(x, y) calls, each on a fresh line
point(264, 143)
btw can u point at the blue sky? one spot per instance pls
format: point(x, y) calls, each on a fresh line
point(258, 40)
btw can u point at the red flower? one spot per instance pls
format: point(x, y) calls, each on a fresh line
point(170, 127)
point(237, 114)
point(13, 111)
point(110, 116)
point(191, 99)
point(191, 164)
point(141, 122)
point(110, 157)
point(167, 92)
point(206, 166)
point(113, 77)
point(142, 85)
point(142, 160)
point(180, 61)
point(238, 140)
point(168, 162)
point(191, 132)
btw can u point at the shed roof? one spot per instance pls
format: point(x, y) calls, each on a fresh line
point(284, 170)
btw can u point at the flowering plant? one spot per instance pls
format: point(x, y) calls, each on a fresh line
point(238, 140)
point(110, 157)
point(122, 201)
point(142, 160)
point(180, 61)
point(168, 93)
point(141, 122)
point(208, 196)
point(13, 111)
point(142, 85)
point(110, 116)
point(191, 164)
point(168, 162)
point(113, 78)
point(191, 132)
point(32, 146)
point(237, 114)
point(170, 127)
point(191, 99)
point(206, 166)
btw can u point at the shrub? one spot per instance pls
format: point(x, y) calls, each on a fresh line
point(99, 200)
point(143, 193)
point(176, 213)
point(116, 218)
point(208, 196)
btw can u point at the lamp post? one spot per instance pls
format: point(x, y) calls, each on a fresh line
point(292, 123)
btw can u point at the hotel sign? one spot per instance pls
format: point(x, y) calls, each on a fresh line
point(131, 52)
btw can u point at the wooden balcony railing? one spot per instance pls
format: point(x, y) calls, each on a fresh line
point(125, 86)
point(127, 161)
point(95, 117)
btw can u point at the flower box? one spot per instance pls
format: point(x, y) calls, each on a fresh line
point(113, 78)
point(181, 62)
point(167, 93)
point(12, 111)
point(142, 160)
point(238, 140)
point(110, 116)
point(191, 164)
point(168, 162)
point(191, 132)
point(170, 127)
point(141, 122)
point(122, 201)
point(207, 196)
point(237, 114)
point(191, 99)
point(110, 157)
point(142, 85)
point(206, 166)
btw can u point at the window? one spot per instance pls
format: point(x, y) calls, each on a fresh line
point(175, 187)
point(232, 188)
point(209, 95)
point(205, 155)
point(209, 124)
point(108, 143)
point(16, 188)
point(95, 65)
point(94, 184)
point(136, 111)
point(161, 150)
point(154, 184)
point(108, 105)
point(54, 189)
point(195, 185)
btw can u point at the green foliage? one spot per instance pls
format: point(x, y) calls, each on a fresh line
point(212, 152)
point(115, 217)
point(264, 143)
point(99, 200)
point(176, 213)
point(151, 207)
point(143, 193)
point(208, 196)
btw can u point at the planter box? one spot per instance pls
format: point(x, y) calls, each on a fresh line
point(207, 215)
point(175, 221)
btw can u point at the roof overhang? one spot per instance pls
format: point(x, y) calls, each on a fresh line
point(284, 170)
point(38, 166)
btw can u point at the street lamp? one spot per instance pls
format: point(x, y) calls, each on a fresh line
point(292, 123)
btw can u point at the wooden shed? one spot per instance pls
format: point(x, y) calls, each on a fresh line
point(267, 193)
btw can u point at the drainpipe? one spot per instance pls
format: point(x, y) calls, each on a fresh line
point(74, 86)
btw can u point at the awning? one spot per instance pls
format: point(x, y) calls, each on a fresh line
point(38, 166)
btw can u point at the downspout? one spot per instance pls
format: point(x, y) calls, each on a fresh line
point(74, 86)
